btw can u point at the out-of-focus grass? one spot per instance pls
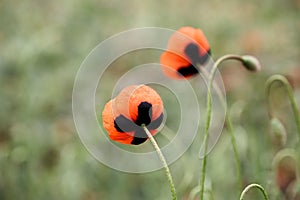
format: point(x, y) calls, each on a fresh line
point(42, 44)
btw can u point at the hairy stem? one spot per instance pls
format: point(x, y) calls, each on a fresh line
point(163, 160)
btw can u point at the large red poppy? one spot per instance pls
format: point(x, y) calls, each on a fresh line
point(135, 106)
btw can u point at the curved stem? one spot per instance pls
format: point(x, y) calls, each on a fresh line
point(289, 90)
point(164, 162)
point(254, 185)
point(208, 119)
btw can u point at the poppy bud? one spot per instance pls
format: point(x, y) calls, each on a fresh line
point(278, 131)
point(251, 63)
point(286, 169)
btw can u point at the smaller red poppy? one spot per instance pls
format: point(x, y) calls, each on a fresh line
point(186, 48)
point(135, 106)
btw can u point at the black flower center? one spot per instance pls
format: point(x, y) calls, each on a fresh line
point(144, 113)
point(123, 124)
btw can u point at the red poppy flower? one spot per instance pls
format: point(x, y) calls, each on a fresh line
point(186, 48)
point(124, 115)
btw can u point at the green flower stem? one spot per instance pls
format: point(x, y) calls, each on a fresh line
point(236, 155)
point(289, 90)
point(230, 129)
point(207, 124)
point(163, 160)
point(208, 119)
point(254, 185)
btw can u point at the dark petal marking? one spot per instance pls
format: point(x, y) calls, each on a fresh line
point(209, 52)
point(139, 136)
point(192, 51)
point(156, 123)
point(137, 140)
point(144, 113)
point(203, 59)
point(122, 124)
point(140, 133)
point(188, 70)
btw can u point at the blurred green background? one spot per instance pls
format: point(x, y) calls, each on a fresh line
point(43, 43)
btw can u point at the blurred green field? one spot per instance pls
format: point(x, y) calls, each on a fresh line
point(42, 45)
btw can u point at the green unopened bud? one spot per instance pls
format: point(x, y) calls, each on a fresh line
point(251, 63)
point(278, 131)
